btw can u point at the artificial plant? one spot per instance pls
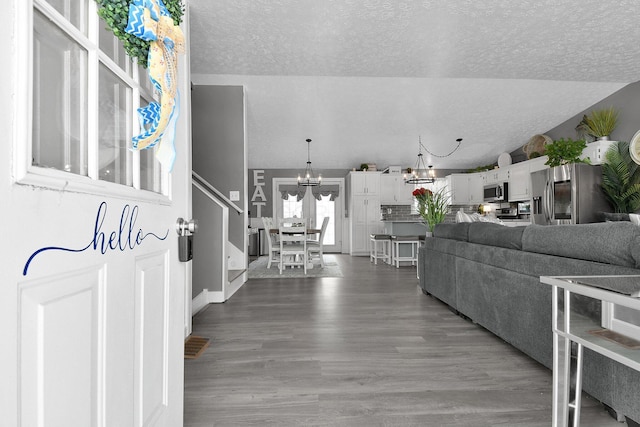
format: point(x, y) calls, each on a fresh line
point(115, 13)
point(565, 151)
point(432, 207)
point(599, 123)
point(621, 178)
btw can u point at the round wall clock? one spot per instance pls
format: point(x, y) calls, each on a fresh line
point(634, 147)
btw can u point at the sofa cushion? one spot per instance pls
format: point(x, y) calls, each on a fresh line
point(455, 231)
point(615, 243)
point(487, 233)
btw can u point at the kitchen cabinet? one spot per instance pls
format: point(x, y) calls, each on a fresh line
point(494, 176)
point(393, 190)
point(465, 188)
point(537, 164)
point(364, 220)
point(520, 178)
point(595, 151)
point(364, 210)
point(519, 182)
point(364, 183)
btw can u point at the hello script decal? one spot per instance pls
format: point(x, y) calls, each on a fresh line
point(126, 237)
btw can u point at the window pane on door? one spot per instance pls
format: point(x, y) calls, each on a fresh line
point(114, 48)
point(114, 128)
point(325, 207)
point(291, 207)
point(59, 99)
point(149, 171)
point(74, 11)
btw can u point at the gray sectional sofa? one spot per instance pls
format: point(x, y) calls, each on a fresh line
point(491, 274)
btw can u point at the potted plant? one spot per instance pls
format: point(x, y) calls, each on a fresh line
point(432, 207)
point(599, 123)
point(565, 151)
point(621, 179)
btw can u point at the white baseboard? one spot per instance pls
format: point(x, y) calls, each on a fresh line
point(199, 302)
point(206, 297)
point(215, 297)
point(233, 287)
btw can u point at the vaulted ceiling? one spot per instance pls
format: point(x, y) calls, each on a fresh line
point(364, 79)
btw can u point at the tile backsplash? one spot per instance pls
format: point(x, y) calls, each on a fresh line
point(399, 213)
point(408, 213)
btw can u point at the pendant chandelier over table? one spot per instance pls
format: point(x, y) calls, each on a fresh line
point(308, 179)
point(421, 173)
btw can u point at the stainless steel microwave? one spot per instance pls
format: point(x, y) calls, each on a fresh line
point(496, 192)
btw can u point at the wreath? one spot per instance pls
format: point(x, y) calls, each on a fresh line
point(115, 13)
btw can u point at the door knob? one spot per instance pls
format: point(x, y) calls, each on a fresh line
point(185, 228)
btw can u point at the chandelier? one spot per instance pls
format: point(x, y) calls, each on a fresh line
point(309, 179)
point(420, 174)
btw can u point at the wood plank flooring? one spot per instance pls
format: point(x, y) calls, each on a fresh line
point(367, 349)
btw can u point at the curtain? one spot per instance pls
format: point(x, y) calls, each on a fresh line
point(326, 190)
point(322, 190)
point(292, 190)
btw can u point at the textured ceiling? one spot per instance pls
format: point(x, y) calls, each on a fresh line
point(364, 78)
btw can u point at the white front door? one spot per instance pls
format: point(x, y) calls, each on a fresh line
point(314, 209)
point(92, 302)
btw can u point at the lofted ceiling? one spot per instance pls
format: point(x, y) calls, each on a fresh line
point(364, 79)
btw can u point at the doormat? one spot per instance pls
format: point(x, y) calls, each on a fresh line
point(195, 346)
point(623, 340)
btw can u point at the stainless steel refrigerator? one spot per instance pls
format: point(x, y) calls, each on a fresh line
point(568, 194)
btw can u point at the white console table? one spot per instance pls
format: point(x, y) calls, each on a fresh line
point(573, 329)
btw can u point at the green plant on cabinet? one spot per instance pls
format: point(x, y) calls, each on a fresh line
point(565, 151)
point(599, 123)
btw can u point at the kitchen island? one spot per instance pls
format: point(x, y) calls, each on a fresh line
point(404, 227)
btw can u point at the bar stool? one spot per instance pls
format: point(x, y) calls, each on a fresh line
point(412, 241)
point(383, 252)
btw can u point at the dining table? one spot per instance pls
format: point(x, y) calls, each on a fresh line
point(309, 231)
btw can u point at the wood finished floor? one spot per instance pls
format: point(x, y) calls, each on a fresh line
point(367, 349)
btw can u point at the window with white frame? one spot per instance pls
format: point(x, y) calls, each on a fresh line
point(86, 92)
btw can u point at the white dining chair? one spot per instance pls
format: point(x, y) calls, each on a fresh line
point(316, 246)
point(293, 243)
point(272, 241)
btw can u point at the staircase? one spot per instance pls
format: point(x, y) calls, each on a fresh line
point(219, 266)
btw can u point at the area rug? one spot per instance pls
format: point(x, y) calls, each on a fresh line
point(258, 270)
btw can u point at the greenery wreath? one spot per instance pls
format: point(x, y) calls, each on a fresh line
point(115, 13)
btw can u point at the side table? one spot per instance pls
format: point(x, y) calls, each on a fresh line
point(571, 329)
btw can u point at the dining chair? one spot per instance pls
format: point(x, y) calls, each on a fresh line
point(316, 246)
point(272, 241)
point(293, 243)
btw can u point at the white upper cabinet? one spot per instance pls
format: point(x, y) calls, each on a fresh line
point(393, 190)
point(520, 178)
point(519, 182)
point(537, 164)
point(496, 175)
point(364, 183)
point(465, 188)
point(595, 151)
